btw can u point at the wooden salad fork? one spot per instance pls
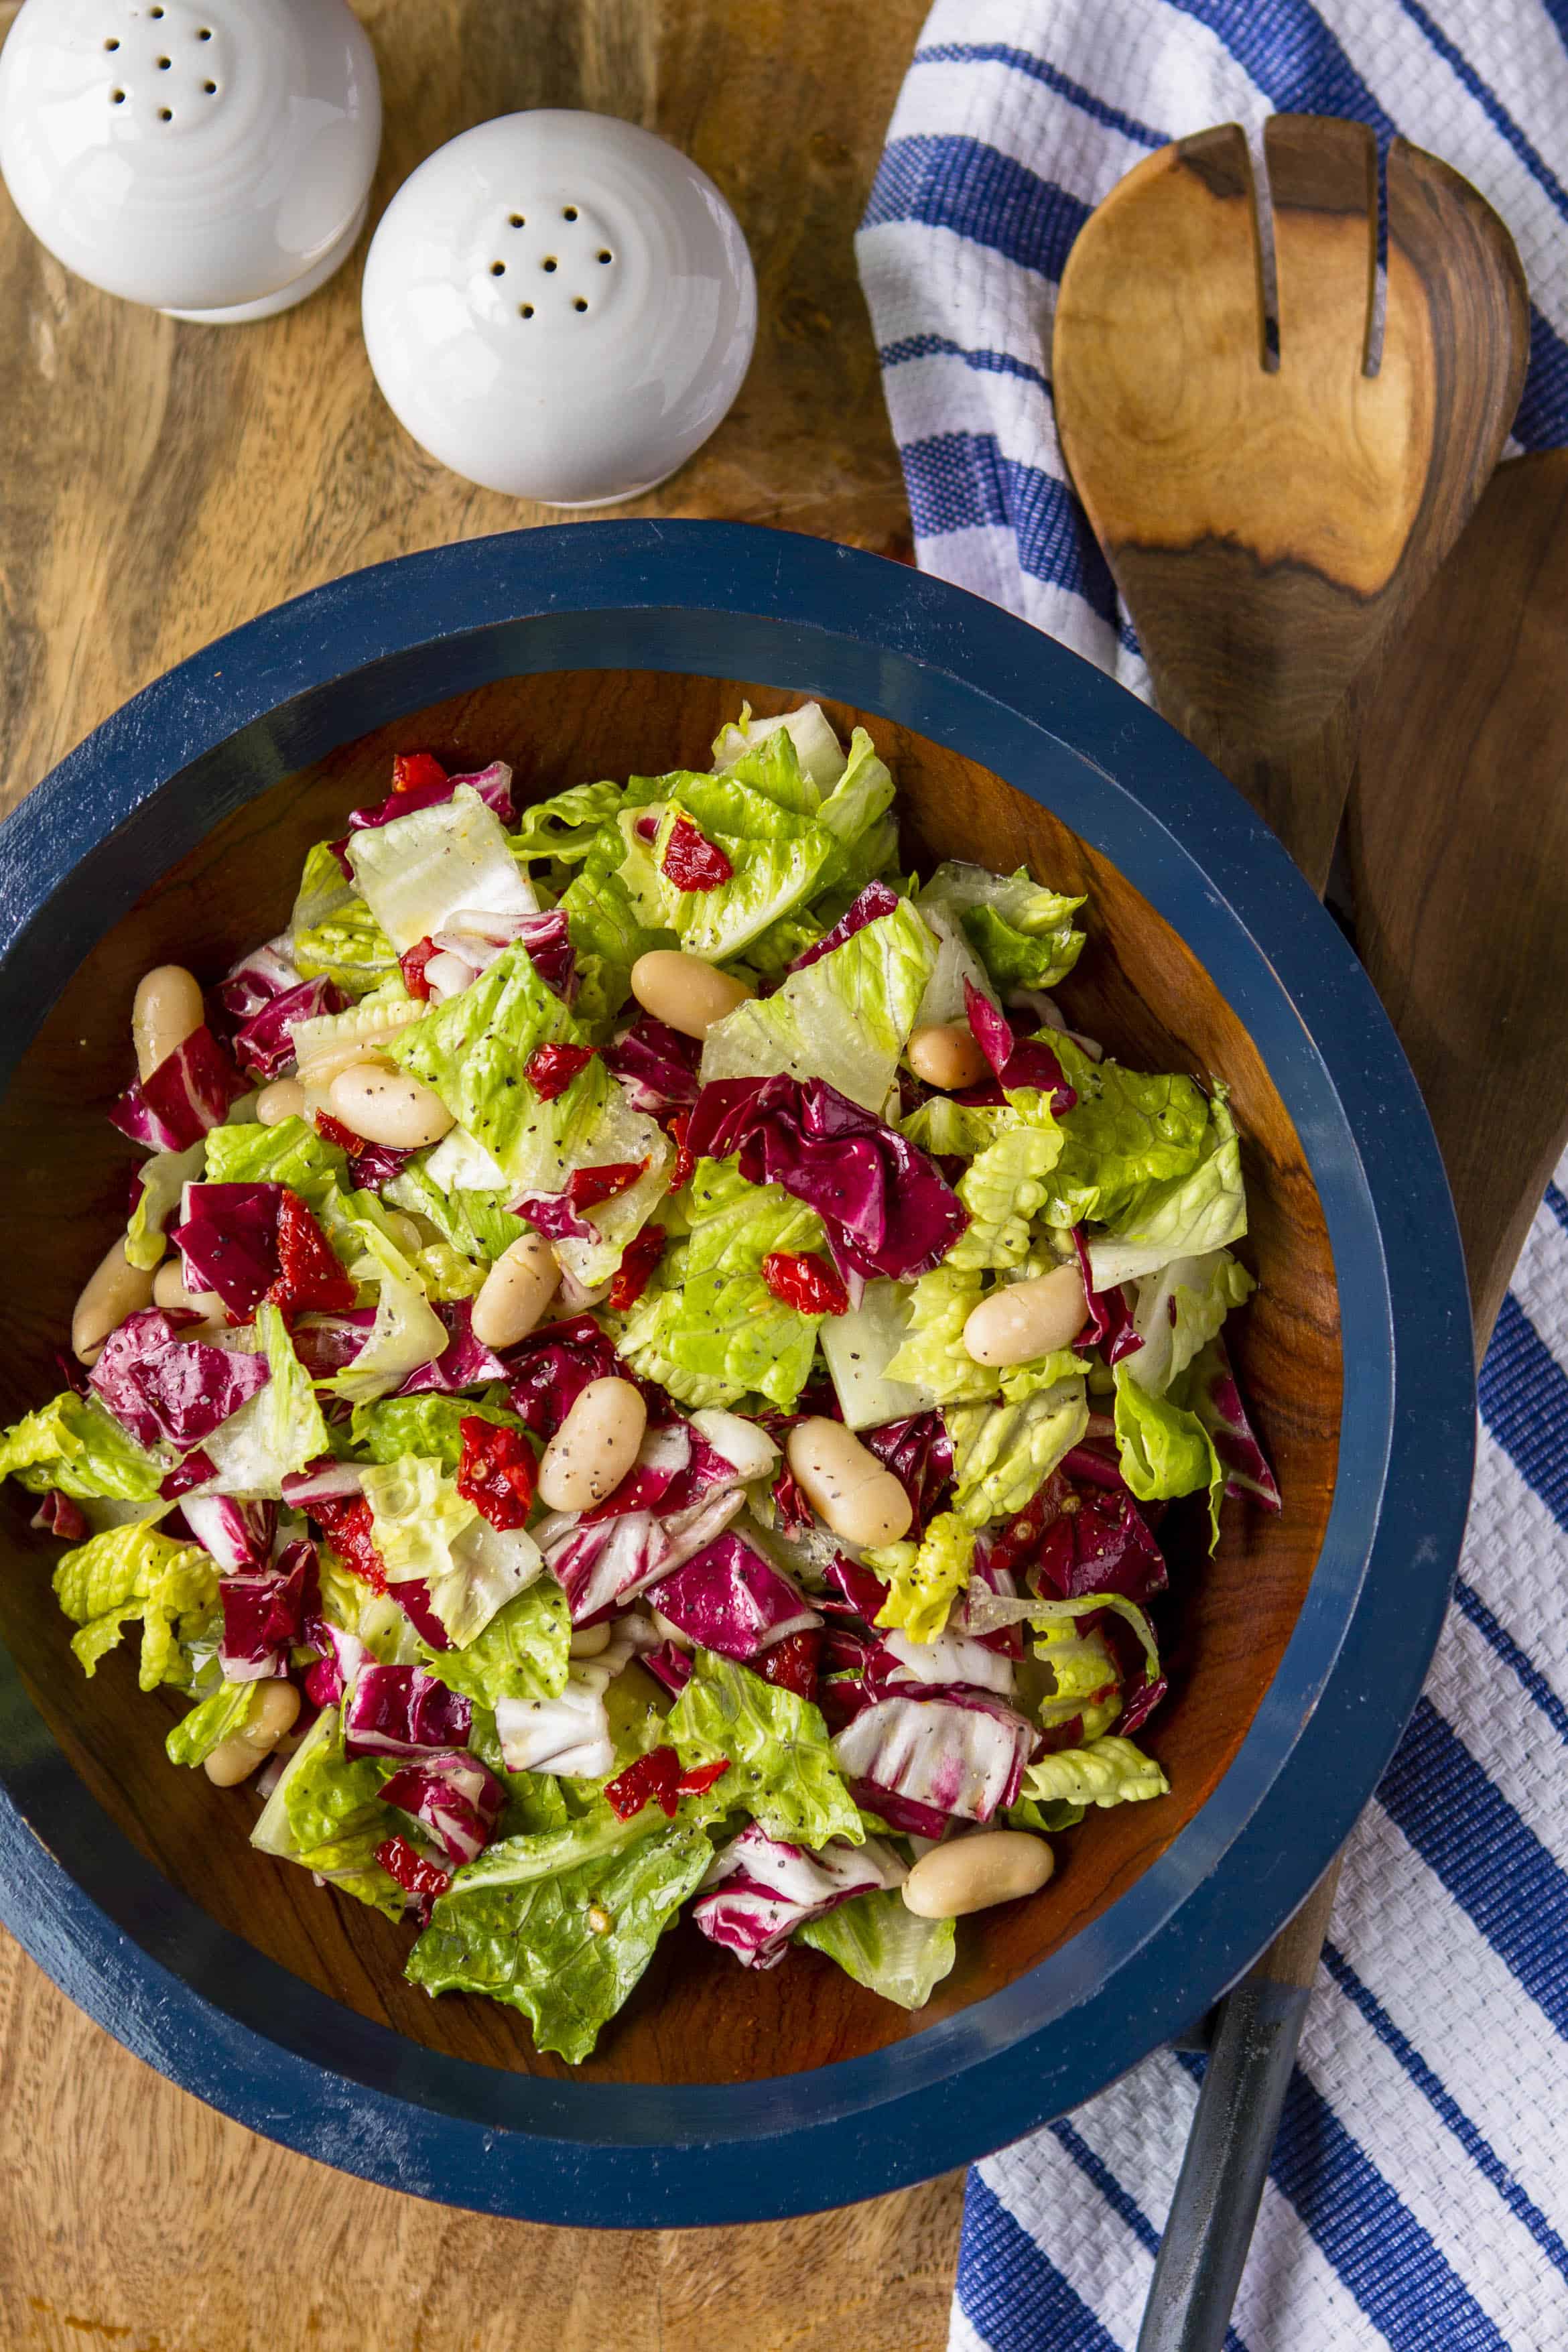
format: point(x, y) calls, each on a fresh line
point(1274, 460)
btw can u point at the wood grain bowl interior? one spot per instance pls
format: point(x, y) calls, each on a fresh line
point(64, 1172)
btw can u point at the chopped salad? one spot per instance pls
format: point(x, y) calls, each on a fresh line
point(642, 1376)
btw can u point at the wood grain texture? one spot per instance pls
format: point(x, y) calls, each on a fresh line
point(696, 2017)
point(1459, 859)
point(163, 483)
point(1272, 514)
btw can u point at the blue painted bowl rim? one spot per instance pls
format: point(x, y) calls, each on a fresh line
point(807, 615)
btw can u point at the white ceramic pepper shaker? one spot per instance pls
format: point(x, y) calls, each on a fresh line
point(212, 158)
point(560, 307)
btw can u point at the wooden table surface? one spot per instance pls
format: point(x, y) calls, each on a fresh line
point(160, 483)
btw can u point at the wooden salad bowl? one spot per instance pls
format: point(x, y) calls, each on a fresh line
point(177, 834)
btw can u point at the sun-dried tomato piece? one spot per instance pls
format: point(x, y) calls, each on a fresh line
point(404, 1861)
point(309, 1274)
point(791, 1663)
point(677, 1127)
point(550, 1069)
point(806, 1281)
point(416, 771)
point(586, 1187)
point(692, 862)
point(412, 963)
point(333, 1131)
point(638, 1259)
point(350, 1530)
point(659, 1776)
point(497, 1473)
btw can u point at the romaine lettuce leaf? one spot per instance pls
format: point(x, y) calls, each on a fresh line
point(1003, 1453)
point(1022, 934)
point(424, 1528)
point(1128, 1128)
point(722, 1326)
point(131, 1572)
point(221, 1717)
point(947, 1129)
point(781, 1765)
point(565, 826)
point(1110, 1772)
point(606, 935)
point(860, 1348)
point(448, 859)
point(1165, 1451)
point(520, 1653)
point(1180, 1309)
point(845, 1018)
point(924, 1579)
point(163, 1177)
point(291, 1153)
point(566, 1950)
point(332, 933)
point(430, 1424)
point(326, 1814)
point(876, 1939)
point(814, 764)
point(934, 1357)
point(778, 859)
point(1003, 1187)
point(476, 1221)
point(72, 1443)
point(1187, 1213)
point(289, 1421)
point(406, 1332)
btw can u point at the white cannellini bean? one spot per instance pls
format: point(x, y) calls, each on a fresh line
point(969, 1873)
point(750, 1451)
point(594, 1446)
point(272, 1715)
point(1025, 1320)
point(845, 1484)
point(389, 1107)
point(590, 1641)
point(168, 1009)
point(316, 1075)
point(169, 1291)
point(116, 1289)
point(683, 991)
point(284, 1098)
point(517, 1290)
point(947, 1055)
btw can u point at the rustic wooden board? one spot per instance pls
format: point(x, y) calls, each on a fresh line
point(161, 483)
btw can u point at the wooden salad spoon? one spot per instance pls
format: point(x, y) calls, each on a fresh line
point(1274, 474)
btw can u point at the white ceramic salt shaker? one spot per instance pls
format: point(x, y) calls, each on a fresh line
point(560, 307)
point(212, 158)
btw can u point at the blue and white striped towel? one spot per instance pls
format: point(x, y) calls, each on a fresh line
point(1419, 2193)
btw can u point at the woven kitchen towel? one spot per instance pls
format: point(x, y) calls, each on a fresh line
point(1420, 2192)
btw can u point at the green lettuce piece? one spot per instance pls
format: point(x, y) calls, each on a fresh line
point(291, 1421)
point(777, 858)
point(1187, 1214)
point(876, 1939)
point(1165, 1449)
point(430, 1425)
point(406, 1332)
point(570, 1837)
point(421, 869)
point(1058, 1621)
point(565, 827)
point(1003, 1453)
point(932, 1357)
point(291, 1153)
point(817, 761)
point(1180, 1309)
point(1046, 1821)
point(860, 1349)
point(520, 1653)
point(164, 1178)
point(131, 1572)
point(446, 1274)
point(477, 1223)
point(1128, 1128)
point(845, 1018)
point(1084, 1675)
point(1003, 1188)
point(1110, 1772)
point(948, 1129)
point(723, 1326)
point(781, 1765)
point(1022, 934)
point(332, 932)
point(473, 1050)
point(924, 1579)
point(424, 1527)
point(608, 935)
point(74, 1443)
point(565, 1950)
point(325, 1814)
point(222, 1716)
point(855, 814)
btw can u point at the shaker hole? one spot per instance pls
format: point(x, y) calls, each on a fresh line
point(569, 212)
point(206, 34)
point(165, 114)
point(525, 310)
point(210, 87)
point(117, 98)
point(111, 44)
point(605, 256)
point(165, 63)
point(498, 269)
point(579, 304)
point(551, 262)
point(518, 221)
